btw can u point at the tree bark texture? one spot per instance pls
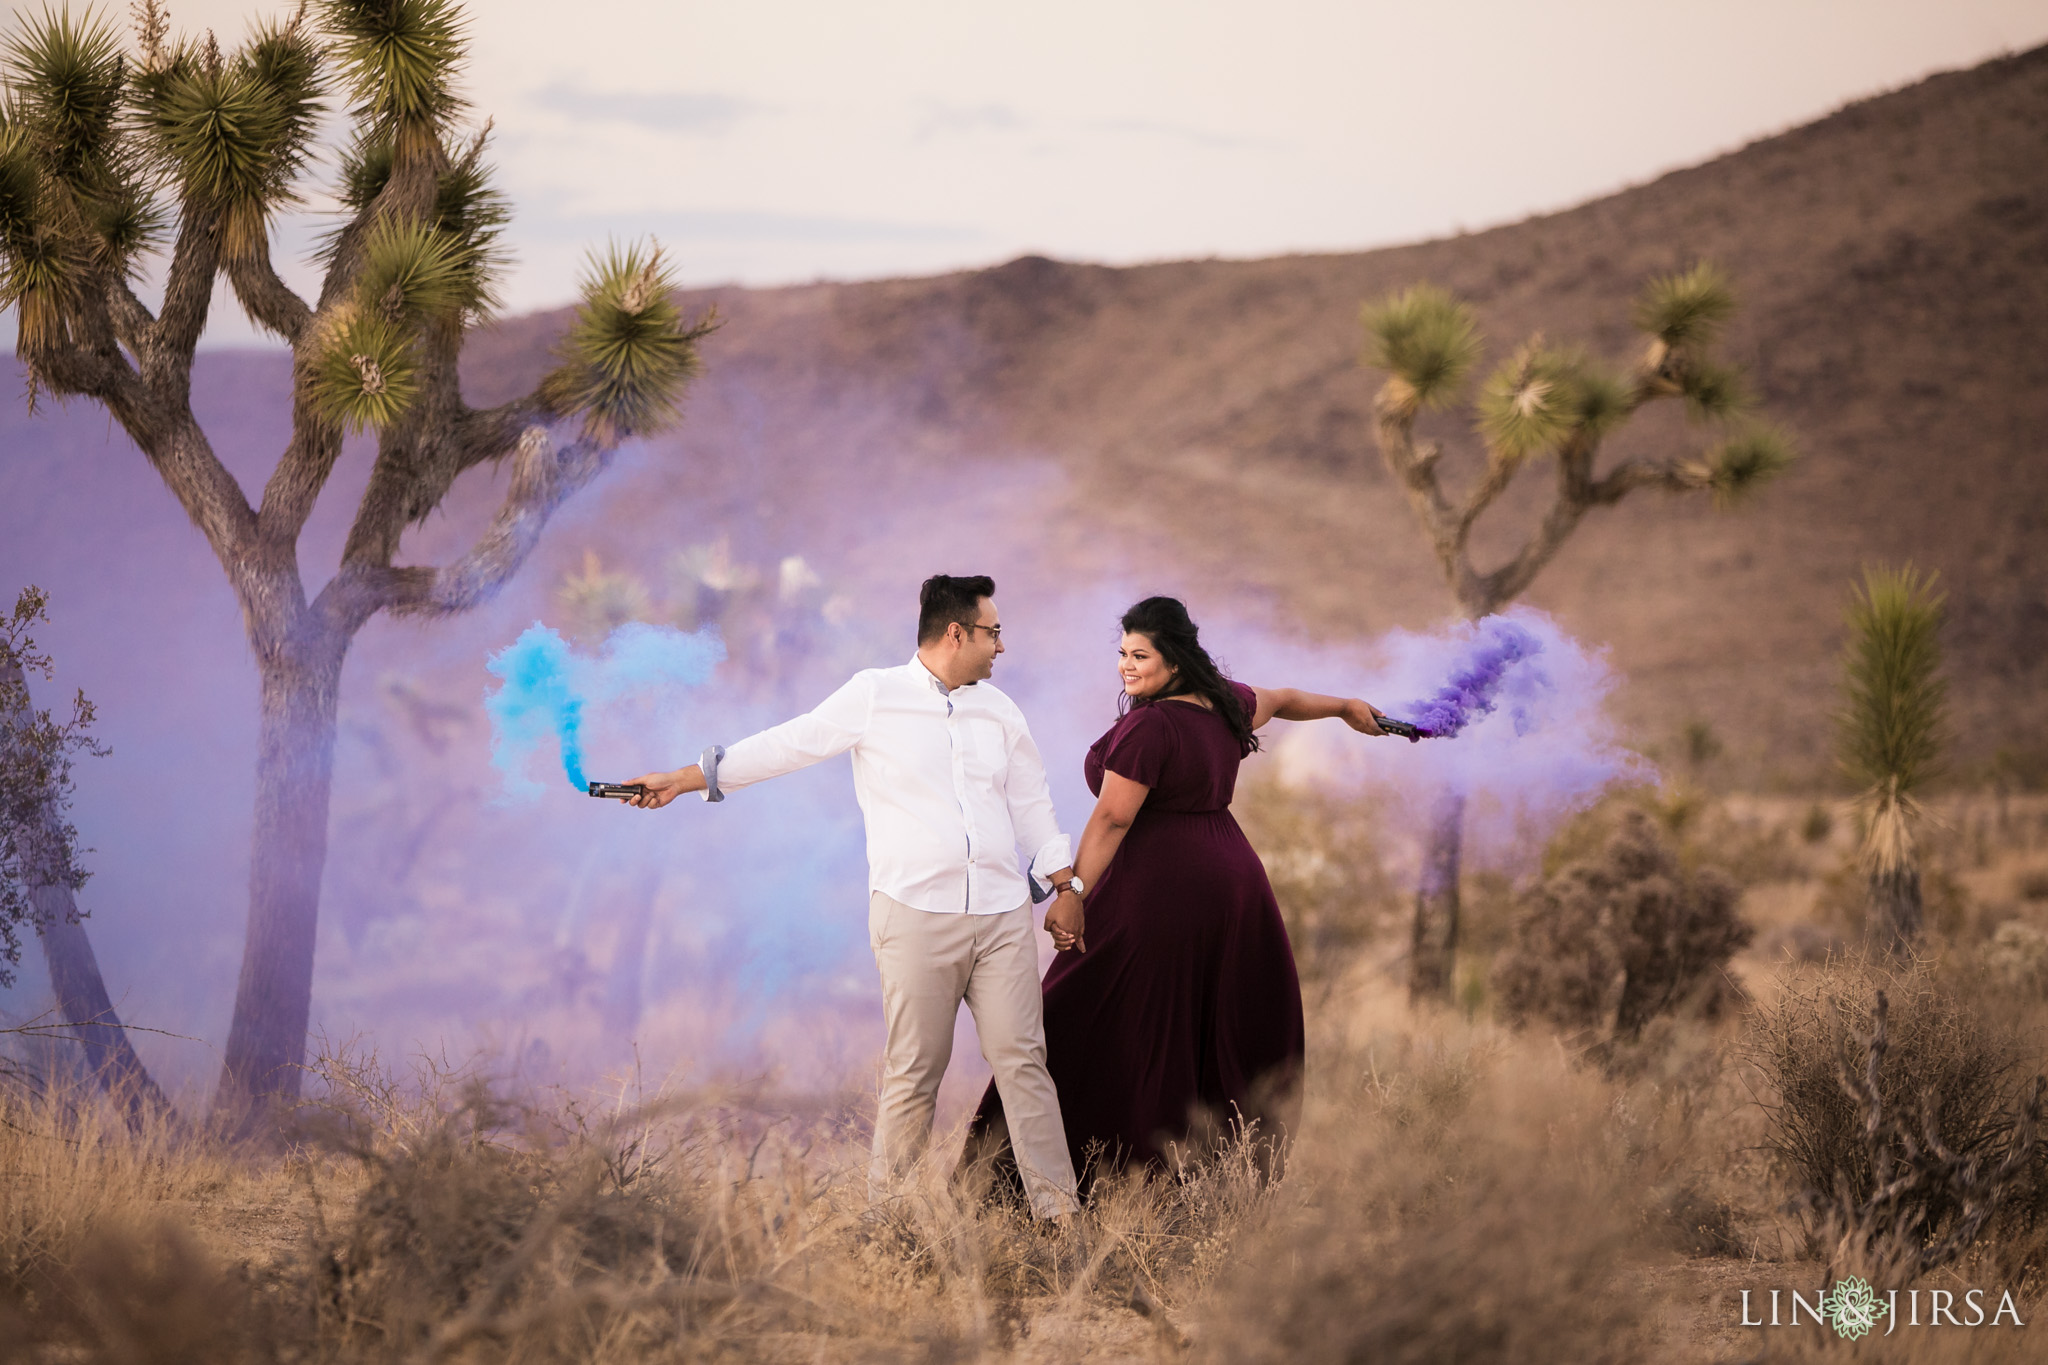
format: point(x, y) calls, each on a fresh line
point(294, 771)
point(1434, 948)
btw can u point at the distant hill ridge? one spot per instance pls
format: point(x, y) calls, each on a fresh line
point(1892, 262)
point(1213, 422)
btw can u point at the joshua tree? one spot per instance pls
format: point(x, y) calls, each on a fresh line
point(40, 871)
point(187, 149)
point(1554, 401)
point(1891, 730)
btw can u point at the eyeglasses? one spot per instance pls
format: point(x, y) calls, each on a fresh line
point(994, 632)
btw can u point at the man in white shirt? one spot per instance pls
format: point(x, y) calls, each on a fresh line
point(950, 783)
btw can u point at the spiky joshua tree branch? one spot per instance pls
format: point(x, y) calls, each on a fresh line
point(1557, 401)
point(109, 157)
point(1560, 402)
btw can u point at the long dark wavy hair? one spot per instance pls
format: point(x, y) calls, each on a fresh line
point(1164, 621)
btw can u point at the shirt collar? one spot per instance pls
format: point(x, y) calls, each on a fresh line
point(938, 684)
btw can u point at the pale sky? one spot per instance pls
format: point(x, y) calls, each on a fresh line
point(771, 141)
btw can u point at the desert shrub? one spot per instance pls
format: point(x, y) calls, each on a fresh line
point(2017, 958)
point(1610, 942)
point(1321, 853)
point(1699, 827)
point(1454, 1206)
point(1891, 1100)
point(71, 1167)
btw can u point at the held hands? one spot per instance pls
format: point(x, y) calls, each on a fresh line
point(1363, 717)
point(1066, 920)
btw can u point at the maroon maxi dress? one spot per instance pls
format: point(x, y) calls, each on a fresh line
point(1183, 1019)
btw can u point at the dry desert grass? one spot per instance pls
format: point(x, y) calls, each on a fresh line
point(1460, 1190)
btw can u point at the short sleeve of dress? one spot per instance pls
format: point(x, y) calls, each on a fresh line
point(1142, 746)
point(1247, 698)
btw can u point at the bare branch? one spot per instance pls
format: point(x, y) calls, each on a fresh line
point(490, 433)
point(184, 459)
point(1510, 580)
point(1499, 474)
point(1415, 471)
point(268, 299)
point(133, 322)
point(187, 295)
point(102, 374)
point(1626, 477)
point(543, 477)
point(301, 472)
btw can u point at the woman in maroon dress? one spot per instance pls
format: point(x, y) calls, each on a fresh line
point(1173, 1014)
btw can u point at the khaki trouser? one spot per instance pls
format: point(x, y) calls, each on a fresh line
point(929, 964)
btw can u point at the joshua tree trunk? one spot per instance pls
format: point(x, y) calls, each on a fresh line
point(82, 1000)
point(87, 1010)
point(1895, 907)
point(1435, 944)
point(294, 768)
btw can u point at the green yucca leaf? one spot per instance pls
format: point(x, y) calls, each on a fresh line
point(21, 189)
point(222, 136)
point(284, 58)
point(40, 280)
point(284, 61)
point(124, 226)
point(1600, 400)
point(1713, 391)
point(1426, 338)
point(412, 272)
point(398, 58)
point(468, 208)
point(1892, 725)
point(1529, 404)
point(1686, 309)
point(629, 353)
point(66, 76)
point(365, 170)
point(1740, 464)
point(364, 374)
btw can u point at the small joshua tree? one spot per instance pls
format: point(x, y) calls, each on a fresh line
point(40, 869)
point(1562, 403)
point(106, 158)
point(1891, 730)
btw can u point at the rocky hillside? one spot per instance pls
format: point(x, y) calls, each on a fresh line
point(1203, 426)
point(1892, 262)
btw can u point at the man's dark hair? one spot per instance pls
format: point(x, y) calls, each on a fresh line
point(945, 599)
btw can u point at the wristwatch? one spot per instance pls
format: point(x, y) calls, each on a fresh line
point(1072, 884)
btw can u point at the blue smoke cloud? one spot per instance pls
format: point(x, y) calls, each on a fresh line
point(546, 684)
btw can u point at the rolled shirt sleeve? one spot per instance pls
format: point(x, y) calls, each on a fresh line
point(835, 726)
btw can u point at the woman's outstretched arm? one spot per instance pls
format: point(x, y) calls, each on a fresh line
point(1291, 703)
point(1107, 824)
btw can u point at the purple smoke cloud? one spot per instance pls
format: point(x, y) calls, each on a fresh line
point(1475, 682)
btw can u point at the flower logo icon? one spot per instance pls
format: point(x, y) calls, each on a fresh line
point(1852, 1307)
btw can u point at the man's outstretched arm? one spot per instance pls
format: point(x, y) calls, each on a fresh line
point(833, 728)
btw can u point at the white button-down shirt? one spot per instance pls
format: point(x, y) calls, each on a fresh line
point(949, 781)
